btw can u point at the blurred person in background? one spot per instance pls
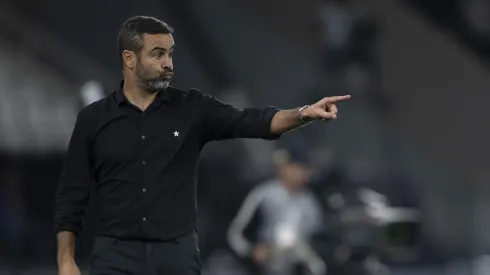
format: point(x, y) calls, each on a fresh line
point(338, 22)
point(348, 31)
point(289, 216)
point(140, 145)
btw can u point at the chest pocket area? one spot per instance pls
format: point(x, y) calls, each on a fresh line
point(117, 140)
point(173, 140)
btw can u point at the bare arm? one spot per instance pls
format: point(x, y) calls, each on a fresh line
point(287, 120)
point(66, 247)
point(235, 237)
point(66, 254)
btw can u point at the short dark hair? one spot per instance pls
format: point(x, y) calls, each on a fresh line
point(130, 36)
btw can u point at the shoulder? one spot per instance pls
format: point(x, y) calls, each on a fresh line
point(94, 110)
point(199, 93)
point(267, 186)
point(191, 95)
point(179, 93)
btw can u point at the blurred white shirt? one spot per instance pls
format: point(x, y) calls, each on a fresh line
point(286, 217)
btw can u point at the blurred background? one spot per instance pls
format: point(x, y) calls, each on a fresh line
point(402, 178)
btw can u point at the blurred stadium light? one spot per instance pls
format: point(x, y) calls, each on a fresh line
point(91, 91)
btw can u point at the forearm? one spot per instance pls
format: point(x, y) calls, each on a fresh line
point(236, 239)
point(73, 192)
point(285, 121)
point(66, 247)
point(238, 243)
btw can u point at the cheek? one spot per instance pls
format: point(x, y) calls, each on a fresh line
point(168, 64)
point(302, 175)
point(151, 68)
point(295, 175)
point(149, 64)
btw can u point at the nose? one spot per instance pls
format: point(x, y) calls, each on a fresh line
point(167, 62)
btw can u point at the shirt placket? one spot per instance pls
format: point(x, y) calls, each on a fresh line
point(143, 145)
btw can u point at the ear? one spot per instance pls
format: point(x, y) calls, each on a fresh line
point(129, 58)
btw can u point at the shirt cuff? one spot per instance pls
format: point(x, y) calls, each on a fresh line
point(270, 112)
point(68, 228)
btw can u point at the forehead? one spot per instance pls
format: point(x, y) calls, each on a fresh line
point(151, 41)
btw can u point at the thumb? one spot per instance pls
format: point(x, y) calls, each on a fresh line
point(322, 114)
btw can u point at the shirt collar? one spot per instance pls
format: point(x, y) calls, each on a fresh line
point(161, 96)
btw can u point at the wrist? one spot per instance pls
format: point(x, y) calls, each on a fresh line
point(65, 259)
point(304, 115)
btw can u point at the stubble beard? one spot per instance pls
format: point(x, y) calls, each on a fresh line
point(150, 83)
point(155, 85)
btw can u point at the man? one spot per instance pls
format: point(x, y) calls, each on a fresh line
point(140, 146)
point(289, 214)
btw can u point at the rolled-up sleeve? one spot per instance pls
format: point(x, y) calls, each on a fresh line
point(74, 186)
point(223, 121)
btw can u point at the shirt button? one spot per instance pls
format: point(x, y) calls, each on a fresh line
point(143, 162)
point(143, 137)
point(144, 219)
point(144, 114)
point(144, 190)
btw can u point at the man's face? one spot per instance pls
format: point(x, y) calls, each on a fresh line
point(295, 175)
point(154, 68)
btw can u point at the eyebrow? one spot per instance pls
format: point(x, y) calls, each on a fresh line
point(162, 49)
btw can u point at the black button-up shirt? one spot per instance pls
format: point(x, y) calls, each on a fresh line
point(144, 163)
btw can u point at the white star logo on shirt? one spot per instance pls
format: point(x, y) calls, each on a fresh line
point(176, 134)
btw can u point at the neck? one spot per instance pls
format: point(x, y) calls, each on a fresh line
point(138, 96)
point(287, 185)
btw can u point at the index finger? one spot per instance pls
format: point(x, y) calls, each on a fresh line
point(338, 98)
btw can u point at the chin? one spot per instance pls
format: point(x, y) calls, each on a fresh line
point(160, 85)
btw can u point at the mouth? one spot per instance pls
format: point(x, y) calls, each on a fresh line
point(168, 75)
